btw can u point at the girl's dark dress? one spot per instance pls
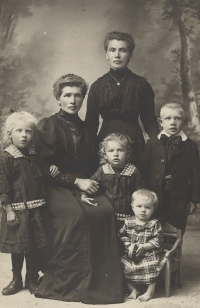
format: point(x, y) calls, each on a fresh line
point(21, 185)
point(86, 263)
point(120, 106)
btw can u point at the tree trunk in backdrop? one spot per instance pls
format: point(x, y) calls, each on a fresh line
point(187, 89)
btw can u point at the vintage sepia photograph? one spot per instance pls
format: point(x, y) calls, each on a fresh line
point(99, 156)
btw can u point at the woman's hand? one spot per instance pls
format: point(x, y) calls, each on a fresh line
point(12, 219)
point(54, 170)
point(87, 200)
point(86, 185)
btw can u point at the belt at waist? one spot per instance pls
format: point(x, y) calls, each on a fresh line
point(28, 205)
point(122, 217)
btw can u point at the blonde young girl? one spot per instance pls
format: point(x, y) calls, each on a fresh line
point(117, 177)
point(24, 223)
point(142, 238)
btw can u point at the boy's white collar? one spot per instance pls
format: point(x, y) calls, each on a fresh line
point(182, 134)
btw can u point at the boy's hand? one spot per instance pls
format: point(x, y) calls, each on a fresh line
point(87, 200)
point(12, 219)
point(54, 170)
point(191, 209)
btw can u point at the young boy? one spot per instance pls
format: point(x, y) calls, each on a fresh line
point(171, 168)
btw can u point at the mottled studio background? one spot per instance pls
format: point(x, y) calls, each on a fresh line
point(54, 37)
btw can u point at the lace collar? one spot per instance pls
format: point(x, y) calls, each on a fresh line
point(16, 153)
point(128, 169)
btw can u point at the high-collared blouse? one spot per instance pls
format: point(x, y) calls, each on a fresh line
point(118, 188)
point(20, 177)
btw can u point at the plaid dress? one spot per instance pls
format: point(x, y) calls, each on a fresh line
point(143, 269)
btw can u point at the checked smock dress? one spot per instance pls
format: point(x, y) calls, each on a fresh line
point(143, 269)
point(118, 185)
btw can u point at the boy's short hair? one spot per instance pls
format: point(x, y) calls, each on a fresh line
point(175, 106)
point(69, 80)
point(10, 124)
point(122, 139)
point(119, 36)
point(148, 194)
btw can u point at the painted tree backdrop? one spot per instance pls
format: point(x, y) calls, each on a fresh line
point(41, 40)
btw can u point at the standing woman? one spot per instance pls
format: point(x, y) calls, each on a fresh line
point(86, 263)
point(121, 97)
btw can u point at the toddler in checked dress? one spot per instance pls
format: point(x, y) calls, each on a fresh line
point(143, 240)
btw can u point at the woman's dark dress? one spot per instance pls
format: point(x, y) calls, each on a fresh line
point(86, 263)
point(121, 106)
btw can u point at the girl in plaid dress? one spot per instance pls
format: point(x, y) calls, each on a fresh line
point(24, 223)
point(142, 238)
point(117, 177)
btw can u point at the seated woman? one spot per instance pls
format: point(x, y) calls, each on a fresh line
point(86, 263)
point(121, 97)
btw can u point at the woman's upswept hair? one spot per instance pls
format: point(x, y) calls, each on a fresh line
point(10, 124)
point(148, 194)
point(69, 80)
point(176, 106)
point(124, 140)
point(119, 36)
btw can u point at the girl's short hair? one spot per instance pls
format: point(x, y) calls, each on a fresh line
point(119, 36)
point(175, 106)
point(148, 194)
point(10, 124)
point(122, 139)
point(70, 80)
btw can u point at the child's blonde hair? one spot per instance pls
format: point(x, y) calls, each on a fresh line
point(148, 194)
point(175, 106)
point(10, 124)
point(122, 139)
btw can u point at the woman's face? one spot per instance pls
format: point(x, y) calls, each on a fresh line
point(71, 99)
point(118, 54)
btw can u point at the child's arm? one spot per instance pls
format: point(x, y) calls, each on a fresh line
point(155, 242)
point(124, 237)
point(143, 247)
point(194, 180)
point(5, 174)
point(12, 219)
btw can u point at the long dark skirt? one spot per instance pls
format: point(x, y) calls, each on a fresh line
point(86, 264)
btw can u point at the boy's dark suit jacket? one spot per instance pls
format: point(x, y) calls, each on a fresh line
point(185, 171)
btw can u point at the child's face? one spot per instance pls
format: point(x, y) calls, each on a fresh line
point(118, 54)
point(172, 121)
point(21, 134)
point(143, 208)
point(71, 99)
point(116, 154)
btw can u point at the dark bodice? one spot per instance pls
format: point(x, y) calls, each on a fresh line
point(66, 143)
point(134, 97)
point(20, 177)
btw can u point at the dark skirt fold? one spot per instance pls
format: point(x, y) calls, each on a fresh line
point(86, 263)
